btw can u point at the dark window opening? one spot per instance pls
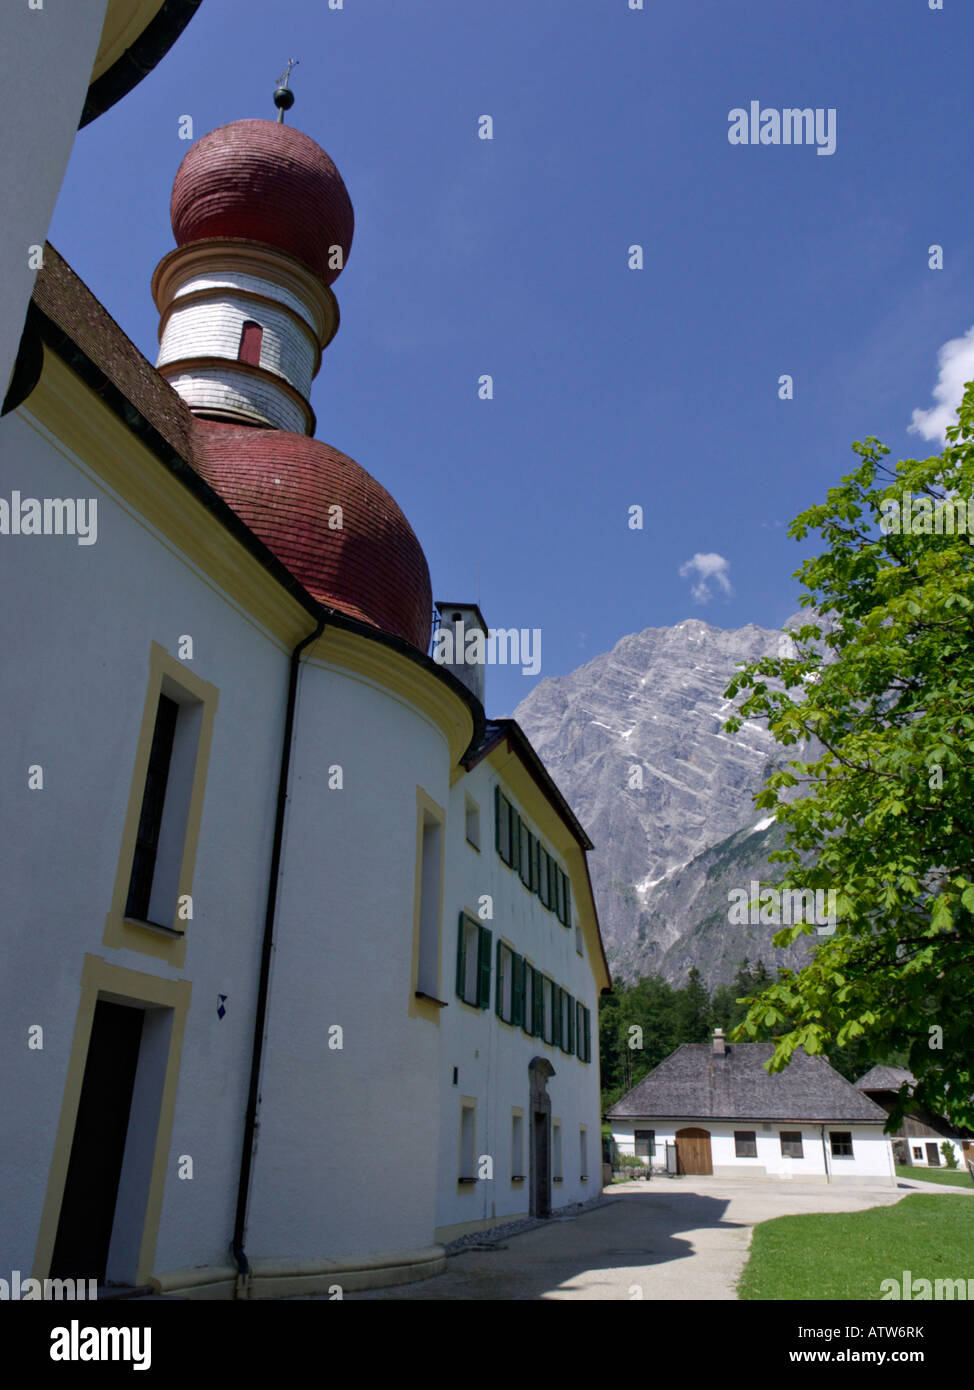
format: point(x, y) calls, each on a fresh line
point(251, 337)
point(150, 817)
point(841, 1143)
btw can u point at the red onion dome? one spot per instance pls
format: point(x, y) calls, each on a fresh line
point(261, 181)
point(284, 486)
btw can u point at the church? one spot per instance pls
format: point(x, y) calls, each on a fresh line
point(301, 966)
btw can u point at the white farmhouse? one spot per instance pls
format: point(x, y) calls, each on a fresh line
point(920, 1138)
point(716, 1110)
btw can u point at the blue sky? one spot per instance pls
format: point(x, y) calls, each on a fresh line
point(612, 387)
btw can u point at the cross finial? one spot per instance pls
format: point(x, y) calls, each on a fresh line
point(285, 78)
point(283, 96)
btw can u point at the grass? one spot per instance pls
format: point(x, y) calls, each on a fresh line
point(847, 1255)
point(950, 1178)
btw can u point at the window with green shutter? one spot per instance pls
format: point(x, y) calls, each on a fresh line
point(483, 968)
point(567, 919)
point(568, 1027)
point(526, 861)
point(503, 812)
point(473, 962)
point(537, 1004)
point(542, 874)
point(585, 1041)
point(517, 990)
point(556, 1013)
point(527, 1023)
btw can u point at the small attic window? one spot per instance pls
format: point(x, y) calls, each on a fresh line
point(251, 336)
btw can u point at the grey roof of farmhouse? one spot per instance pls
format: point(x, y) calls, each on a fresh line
point(885, 1079)
point(693, 1083)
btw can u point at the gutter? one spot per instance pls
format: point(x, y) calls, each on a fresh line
point(825, 1155)
point(267, 949)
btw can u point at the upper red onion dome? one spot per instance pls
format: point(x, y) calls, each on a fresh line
point(263, 181)
point(283, 485)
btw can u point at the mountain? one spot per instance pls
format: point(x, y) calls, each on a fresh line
point(634, 740)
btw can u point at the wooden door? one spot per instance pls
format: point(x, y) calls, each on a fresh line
point(693, 1151)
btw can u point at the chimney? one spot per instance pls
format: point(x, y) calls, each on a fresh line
point(460, 644)
point(720, 1043)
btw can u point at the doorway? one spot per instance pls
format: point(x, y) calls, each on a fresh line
point(693, 1152)
point(540, 1072)
point(84, 1230)
point(541, 1184)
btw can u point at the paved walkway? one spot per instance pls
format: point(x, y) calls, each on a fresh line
point(668, 1239)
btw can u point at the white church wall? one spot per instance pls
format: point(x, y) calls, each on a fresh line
point(45, 65)
point(348, 1134)
point(80, 621)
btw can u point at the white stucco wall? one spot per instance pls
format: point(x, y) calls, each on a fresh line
point(920, 1160)
point(491, 1056)
point(46, 57)
point(346, 1157)
point(871, 1160)
point(78, 625)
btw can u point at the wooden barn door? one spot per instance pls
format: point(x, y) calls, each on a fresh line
point(693, 1151)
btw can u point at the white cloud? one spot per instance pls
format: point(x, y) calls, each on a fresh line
point(708, 569)
point(956, 362)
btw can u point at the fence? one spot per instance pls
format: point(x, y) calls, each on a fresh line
point(658, 1159)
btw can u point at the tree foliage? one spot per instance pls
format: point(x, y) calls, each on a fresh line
point(881, 684)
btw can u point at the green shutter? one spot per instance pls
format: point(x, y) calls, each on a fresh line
point(578, 1029)
point(527, 861)
point(483, 967)
point(568, 1045)
point(568, 902)
point(517, 990)
point(497, 819)
point(542, 873)
point(588, 1038)
point(552, 884)
point(527, 976)
point(556, 1015)
point(499, 983)
point(537, 1004)
point(515, 840)
point(461, 961)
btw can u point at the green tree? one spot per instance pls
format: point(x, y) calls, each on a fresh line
point(692, 1014)
point(882, 687)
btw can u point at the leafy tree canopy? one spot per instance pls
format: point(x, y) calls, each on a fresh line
point(881, 685)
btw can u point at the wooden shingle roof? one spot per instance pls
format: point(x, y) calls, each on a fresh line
point(694, 1083)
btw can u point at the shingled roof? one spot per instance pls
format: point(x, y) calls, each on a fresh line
point(885, 1079)
point(694, 1083)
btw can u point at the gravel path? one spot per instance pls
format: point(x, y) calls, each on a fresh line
point(684, 1238)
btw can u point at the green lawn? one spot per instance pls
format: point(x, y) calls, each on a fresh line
point(848, 1254)
point(955, 1178)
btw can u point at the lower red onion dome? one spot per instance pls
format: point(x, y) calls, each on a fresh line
point(284, 487)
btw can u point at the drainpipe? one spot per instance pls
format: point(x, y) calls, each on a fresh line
point(825, 1156)
point(250, 1123)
